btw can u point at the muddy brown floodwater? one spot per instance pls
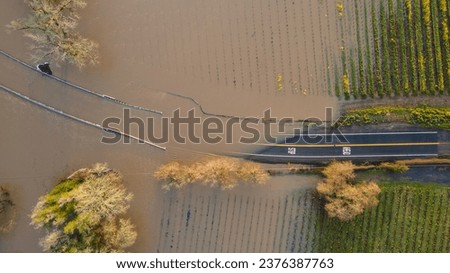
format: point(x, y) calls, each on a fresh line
point(234, 57)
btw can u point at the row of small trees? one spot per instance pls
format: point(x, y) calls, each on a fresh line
point(51, 27)
point(83, 213)
point(223, 172)
point(410, 53)
point(345, 197)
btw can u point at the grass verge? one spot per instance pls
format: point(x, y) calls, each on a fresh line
point(425, 116)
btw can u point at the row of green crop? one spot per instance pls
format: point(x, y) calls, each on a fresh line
point(409, 54)
point(409, 218)
point(430, 117)
point(302, 221)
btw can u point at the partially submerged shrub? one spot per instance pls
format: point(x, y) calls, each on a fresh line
point(175, 175)
point(339, 173)
point(396, 167)
point(221, 171)
point(253, 173)
point(7, 211)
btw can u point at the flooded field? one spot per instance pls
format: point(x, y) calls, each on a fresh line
point(39, 148)
point(233, 57)
point(272, 218)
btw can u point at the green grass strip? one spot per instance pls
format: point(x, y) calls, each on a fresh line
point(425, 116)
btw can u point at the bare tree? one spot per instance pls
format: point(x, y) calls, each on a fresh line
point(118, 234)
point(344, 198)
point(252, 172)
point(220, 171)
point(83, 213)
point(51, 27)
point(175, 175)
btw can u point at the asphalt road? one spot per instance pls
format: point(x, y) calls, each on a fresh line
point(376, 146)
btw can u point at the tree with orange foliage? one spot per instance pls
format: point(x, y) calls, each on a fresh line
point(223, 172)
point(344, 198)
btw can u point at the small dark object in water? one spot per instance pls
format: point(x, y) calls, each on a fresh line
point(45, 68)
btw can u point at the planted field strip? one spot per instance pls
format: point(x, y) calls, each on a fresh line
point(199, 220)
point(263, 46)
point(409, 53)
point(409, 218)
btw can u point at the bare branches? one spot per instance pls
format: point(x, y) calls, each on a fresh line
point(51, 27)
point(221, 171)
point(345, 199)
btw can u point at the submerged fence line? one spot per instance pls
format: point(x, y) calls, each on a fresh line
point(59, 112)
point(101, 96)
point(114, 100)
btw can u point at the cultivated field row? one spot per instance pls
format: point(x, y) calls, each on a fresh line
point(402, 48)
point(233, 222)
point(409, 218)
point(263, 46)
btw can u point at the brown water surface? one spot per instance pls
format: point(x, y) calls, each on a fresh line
point(234, 57)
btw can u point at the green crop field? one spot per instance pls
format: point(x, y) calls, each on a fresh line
point(410, 218)
point(407, 51)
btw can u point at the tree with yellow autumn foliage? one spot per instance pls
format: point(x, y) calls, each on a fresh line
point(83, 213)
point(345, 199)
point(222, 172)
